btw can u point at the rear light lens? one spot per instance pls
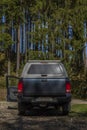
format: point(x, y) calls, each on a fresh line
point(68, 87)
point(20, 87)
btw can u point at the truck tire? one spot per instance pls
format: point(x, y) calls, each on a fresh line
point(21, 108)
point(66, 108)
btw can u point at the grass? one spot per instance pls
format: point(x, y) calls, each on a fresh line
point(79, 110)
point(79, 107)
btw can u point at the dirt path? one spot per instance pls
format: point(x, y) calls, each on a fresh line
point(41, 119)
point(78, 101)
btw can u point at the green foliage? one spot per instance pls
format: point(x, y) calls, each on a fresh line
point(39, 55)
point(6, 39)
point(13, 11)
point(51, 20)
point(2, 82)
point(79, 89)
point(57, 22)
point(3, 66)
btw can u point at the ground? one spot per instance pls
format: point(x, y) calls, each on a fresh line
point(41, 119)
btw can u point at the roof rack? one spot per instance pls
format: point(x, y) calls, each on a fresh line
point(44, 61)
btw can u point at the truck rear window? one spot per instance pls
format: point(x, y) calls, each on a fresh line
point(45, 69)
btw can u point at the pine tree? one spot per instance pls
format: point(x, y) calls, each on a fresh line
point(14, 13)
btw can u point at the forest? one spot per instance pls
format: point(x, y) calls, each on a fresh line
point(51, 30)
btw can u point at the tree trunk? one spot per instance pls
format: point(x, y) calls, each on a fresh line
point(85, 58)
point(18, 51)
point(9, 67)
point(9, 62)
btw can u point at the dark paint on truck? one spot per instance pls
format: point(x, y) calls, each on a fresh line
point(44, 87)
point(44, 84)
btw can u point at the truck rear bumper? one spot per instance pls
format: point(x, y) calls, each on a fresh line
point(46, 100)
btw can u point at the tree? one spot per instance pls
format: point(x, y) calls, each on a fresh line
point(5, 37)
point(59, 16)
point(51, 21)
point(13, 11)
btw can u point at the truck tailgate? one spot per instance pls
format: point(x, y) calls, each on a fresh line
point(44, 86)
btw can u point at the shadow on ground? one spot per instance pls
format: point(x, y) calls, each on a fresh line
point(41, 119)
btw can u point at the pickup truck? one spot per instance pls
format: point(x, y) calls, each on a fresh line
point(42, 84)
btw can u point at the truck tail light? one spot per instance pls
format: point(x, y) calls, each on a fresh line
point(68, 87)
point(20, 87)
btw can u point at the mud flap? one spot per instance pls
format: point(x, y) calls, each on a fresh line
point(11, 84)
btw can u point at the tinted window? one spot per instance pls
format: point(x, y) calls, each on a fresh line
point(45, 69)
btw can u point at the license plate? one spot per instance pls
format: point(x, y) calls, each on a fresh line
point(43, 99)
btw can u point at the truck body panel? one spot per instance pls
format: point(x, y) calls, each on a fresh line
point(44, 87)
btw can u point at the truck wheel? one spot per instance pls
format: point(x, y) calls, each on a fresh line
point(21, 109)
point(66, 108)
